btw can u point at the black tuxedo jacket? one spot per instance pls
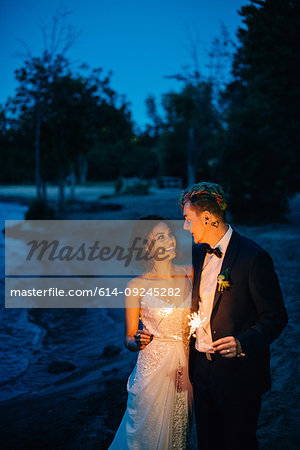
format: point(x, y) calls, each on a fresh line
point(251, 309)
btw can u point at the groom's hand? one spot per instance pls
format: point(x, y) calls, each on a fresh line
point(227, 347)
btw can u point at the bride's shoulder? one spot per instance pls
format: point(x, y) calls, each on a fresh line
point(184, 269)
point(135, 283)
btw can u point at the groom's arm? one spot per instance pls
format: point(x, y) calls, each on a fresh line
point(271, 314)
point(267, 298)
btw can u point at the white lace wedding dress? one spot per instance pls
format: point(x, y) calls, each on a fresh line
point(159, 392)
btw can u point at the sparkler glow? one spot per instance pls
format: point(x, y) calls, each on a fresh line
point(195, 322)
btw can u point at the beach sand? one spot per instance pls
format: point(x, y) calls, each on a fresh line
point(81, 413)
point(84, 409)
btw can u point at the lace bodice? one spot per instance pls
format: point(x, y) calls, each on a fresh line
point(165, 320)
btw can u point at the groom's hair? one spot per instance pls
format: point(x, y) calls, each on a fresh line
point(205, 196)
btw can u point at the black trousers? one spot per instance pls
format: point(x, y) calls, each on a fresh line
point(224, 421)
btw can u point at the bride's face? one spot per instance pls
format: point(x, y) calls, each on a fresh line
point(162, 237)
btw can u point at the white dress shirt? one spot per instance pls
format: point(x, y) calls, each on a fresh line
point(208, 284)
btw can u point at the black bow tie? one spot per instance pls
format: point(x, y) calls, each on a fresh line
point(216, 251)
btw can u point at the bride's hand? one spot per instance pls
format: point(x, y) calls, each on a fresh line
point(142, 338)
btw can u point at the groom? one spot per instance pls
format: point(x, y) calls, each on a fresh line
point(237, 292)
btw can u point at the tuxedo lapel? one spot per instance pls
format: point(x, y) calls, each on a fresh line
point(198, 260)
point(228, 261)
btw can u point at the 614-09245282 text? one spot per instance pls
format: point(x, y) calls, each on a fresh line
point(97, 291)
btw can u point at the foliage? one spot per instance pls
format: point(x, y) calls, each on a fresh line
point(78, 116)
point(16, 158)
point(191, 125)
point(59, 120)
point(262, 140)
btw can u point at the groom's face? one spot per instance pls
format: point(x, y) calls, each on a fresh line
point(194, 223)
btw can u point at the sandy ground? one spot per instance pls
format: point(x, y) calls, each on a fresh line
point(79, 413)
point(83, 411)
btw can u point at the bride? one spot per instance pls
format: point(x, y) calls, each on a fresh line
point(159, 392)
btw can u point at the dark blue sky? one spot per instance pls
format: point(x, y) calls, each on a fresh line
point(140, 41)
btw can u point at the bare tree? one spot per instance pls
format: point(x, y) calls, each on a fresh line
point(220, 62)
point(39, 72)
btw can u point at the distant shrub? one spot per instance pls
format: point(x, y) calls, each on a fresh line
point(141, 188)
point(104, 196)
point(40, 210)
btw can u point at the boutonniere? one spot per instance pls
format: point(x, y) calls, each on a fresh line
point(223, 281)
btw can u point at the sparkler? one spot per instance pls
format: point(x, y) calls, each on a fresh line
point(195, 322)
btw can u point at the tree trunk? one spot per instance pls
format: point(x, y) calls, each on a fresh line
point(82, 168)
point(61, 186)
point(61, 171)
point(37, 154)
point(72, 184)
point(44, 188)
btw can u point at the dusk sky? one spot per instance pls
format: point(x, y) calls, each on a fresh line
point(139, 41)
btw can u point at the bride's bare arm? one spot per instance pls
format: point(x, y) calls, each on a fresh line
point(135, 339)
